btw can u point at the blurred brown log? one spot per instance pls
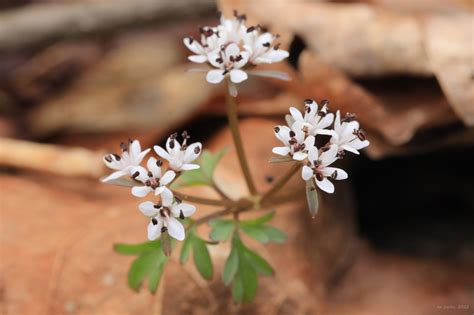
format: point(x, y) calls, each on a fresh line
point(42, 23)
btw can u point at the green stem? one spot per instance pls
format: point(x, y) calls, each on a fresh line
point(281, 182)
point(204, 201)
point(234, 127)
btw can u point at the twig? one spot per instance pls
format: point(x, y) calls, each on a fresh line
point(201, 200)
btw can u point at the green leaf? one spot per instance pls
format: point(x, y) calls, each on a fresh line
point(155, 277)
point(312, 198)
point(202, 259)
point(221, 229)
point(256, 232)
point(136, 249)
point(238, 289)
point(204, 175)
point(259, 264)
point(231, 266)
point(142, 266)
point(186, 248)
point(249, 280)
point(258, 221)
point(274, 235)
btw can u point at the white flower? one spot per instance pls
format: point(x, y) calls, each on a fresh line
point(347, 134)
point(232, 29)
point(313, 122)
point(318, 168)
point(296, 144)
point(260, 47)
point(132, 156)
point(211, 40)
point(163, 218)
point(180, 155)
point(153, 181)
point(229, 60)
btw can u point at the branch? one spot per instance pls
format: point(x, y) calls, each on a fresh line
point(42, 23)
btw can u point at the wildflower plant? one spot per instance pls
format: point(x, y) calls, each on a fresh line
point(232, 50)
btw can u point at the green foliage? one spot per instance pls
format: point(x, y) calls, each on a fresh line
point(312, 198)
point(221, 229)
point(201, 256)
point(150, 263)
point(204, 175)
point(262, 232)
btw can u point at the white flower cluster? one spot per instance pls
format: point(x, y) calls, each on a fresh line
point(163, 215)
point(299, 139)
point(232, 47)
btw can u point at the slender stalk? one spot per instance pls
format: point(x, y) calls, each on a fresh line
point(220, 192)
point(234, 127)
point(281, 182)
point(201, 200)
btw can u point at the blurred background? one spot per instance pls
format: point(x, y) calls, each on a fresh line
point(78, 77)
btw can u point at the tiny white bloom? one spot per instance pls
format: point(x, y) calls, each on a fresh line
point(232, 29)
point(211, 40)
point(313, 122)
point(261, 48)
point(132, 156)
point(163, 218)
point(153, 180)
point(229, 60)
point(295, 141)
point(318, 168)
point(347, 134)
point(180, 155)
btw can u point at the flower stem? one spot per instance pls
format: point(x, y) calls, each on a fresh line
point(204, 201)
point(234, 127)
point(281, 182)
point(220, 192)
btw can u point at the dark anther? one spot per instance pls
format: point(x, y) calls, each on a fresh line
point(307, 108)
point(238, 58)
point(157, 206)
point(261, 28)
point(277, 46)
point(341, 154)
point(172, 143)
point(135, 175)
point(185, 135)
point(251, 29)
point(178, 200)
point(292, 134)
point(154, 221)
point(322, 113)
point(225, 72)
point(174, 135)
point(162, 212)
point(117, 157)
point(191, 40)
point(148, 183)
point(159, 163)
point(319, 176)
point(108, 158)
point(324, 103)
point(309, 164)
point(308, 101)
point(219, 60)
point(181, 214)
point(349, 117)
point(123, 147)
point(292, 141)
point(130, 140)
point(317, 162)
point(267, 44)
point(197, 150)
point(231, 58)
point(150, 174)
point(164, 229)
point(334, 175)
point(269, 179)
point(360, 134)
point(277, 129)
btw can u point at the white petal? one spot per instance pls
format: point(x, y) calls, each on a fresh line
point(148, 208)
point(337, 121)
point(193, 45)
point(167, 178)
point(135, 149)
point(198, 58)
point(166, 197)
point(313, 154)
point(325, 185)
point(243, 60)
point(309, 142)
point(238, 76)
point(190, 153)
point(140, 191)
point(213, 57)
point(153, 167)
point(115, 175)
point(232, 50)
point(159, 190)
point(162, 153)
point(215, 76)
point(349, 148)
point(358, 144)
point(277, 55)
point(329, 171)
point(140, 156)
point(283, 134)
point(142, 173)
point(175, 229)
point(327, 132)
point(306, 172)
point(330, 155)
point(189, 167)
point(281, 150)
point(173, 152)
point(187, 209)
point(299, 156)
point(297, 116)
point(154, 231)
